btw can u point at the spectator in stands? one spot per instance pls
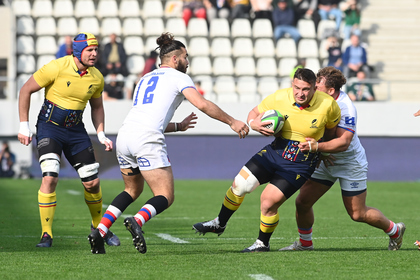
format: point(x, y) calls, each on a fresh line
point(193, 8)
point(114, 57)
point(66, 48)
point(361, 90)
point(240, 9)
point(217, 9)
point(198, 87)
point(334, 53)
point(301, 64)
point(352, 20)
point(113, 89)
point(284, 22)
point(355, 58)
point(150, 63)
point(328, 9)
point(262, 9)
point(306, 9)
point(7, 160)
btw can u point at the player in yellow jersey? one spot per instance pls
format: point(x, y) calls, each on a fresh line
point(281, 164)
point(69, 82)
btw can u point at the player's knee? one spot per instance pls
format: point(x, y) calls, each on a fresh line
point(92, 186)
point(50, 164)
point(245, 182)
point(357, 216)
point(87, 172)
point(302, 203)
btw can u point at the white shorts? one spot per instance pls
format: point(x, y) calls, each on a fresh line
point(352, 176)
point(147, 151)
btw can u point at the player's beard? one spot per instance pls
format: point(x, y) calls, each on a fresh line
point(182, 67)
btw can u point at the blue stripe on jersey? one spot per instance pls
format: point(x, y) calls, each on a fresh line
point(348, 129)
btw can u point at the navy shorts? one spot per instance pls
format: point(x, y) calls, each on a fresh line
point(72, 140)
point(282, 164)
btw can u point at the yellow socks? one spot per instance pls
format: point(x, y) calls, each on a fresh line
point(47, 204)
point(269, 224)
point(232, 201)
point(94, 202)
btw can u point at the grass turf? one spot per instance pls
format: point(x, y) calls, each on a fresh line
point(343, 249)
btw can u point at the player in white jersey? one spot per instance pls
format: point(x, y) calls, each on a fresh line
point(141, 148)
point(349, 165)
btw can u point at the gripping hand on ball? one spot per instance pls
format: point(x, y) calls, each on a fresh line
point(260, 127)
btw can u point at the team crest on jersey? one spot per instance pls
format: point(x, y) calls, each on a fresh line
point(91, 89)
point(314, 123)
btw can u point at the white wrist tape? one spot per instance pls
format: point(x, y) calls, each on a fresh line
point(250, 121)
point(24, 129)
point(102, 138)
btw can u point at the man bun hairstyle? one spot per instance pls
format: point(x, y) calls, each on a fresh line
point(167, 44)
point(334, 78)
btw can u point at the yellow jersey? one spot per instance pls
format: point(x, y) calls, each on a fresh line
point(311, 121)
point(66, 87)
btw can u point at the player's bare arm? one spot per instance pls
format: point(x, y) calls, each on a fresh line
point(98, 119)
point(25, 134)
point(213, 111)
point(188, 122)
point(336, 145)
point(416, 114)
point(254, 122)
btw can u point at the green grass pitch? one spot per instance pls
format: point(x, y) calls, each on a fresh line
point(343, 249)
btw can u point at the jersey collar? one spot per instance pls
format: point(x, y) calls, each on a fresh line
point(73, 64)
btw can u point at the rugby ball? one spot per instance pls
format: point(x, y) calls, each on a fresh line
point(276, 119)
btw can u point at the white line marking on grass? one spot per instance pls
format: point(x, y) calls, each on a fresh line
point(260, 277)
point(105, 206)
point(171, 238)
point(73, 192)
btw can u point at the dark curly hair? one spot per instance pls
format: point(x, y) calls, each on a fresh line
point(305, 75)
point(167, 44)
point(333, 77)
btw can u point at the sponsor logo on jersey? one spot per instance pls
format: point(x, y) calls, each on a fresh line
point(68, 83)
point(91, 89)
point(314, 123)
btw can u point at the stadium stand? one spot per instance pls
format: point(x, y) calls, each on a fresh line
point(129, 8)
point(84, 8)
point(63, 8)
point(221, 47)
point(239, 48)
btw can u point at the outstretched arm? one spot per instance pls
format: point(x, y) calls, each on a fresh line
point(188, 122)
point(213, 111)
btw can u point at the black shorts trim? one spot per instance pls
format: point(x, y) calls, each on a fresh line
point(349, 194)
point(324, 182)
point(264, 176)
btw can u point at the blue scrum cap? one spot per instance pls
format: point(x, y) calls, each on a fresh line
point(82, 41)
